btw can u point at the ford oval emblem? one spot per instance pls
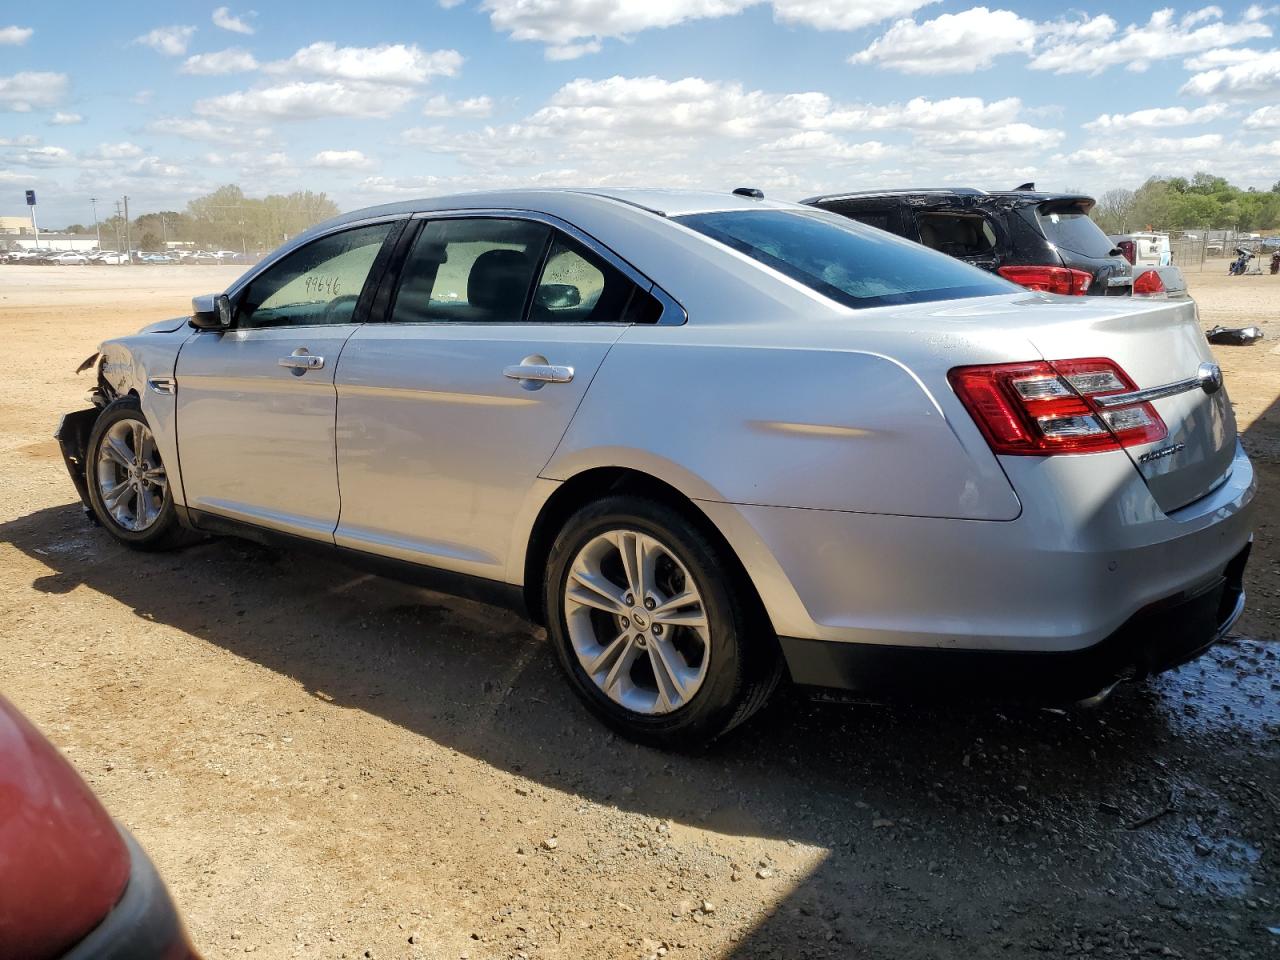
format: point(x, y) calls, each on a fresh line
point(1210, 377)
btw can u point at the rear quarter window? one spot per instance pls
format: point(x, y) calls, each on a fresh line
point(852, 264)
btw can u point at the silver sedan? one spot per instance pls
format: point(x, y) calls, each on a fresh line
point(708, 440)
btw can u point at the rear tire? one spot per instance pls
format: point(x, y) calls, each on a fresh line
point(129, 488)
point(656, 633)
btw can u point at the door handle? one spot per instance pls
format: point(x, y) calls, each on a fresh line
point(300, 361)
point(534, 371)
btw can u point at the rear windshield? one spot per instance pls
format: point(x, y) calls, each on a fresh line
point(1071, 229)
point(854, 265)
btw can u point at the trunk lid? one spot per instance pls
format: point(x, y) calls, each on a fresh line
point(1156, 344)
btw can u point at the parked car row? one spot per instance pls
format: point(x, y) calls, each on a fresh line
point(114, 257)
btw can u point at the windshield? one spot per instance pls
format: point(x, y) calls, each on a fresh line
point(852, 264)
point(1072, 229)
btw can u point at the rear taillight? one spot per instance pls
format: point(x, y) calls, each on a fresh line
point(1042, 408)
point(1147, 283)
point(1062, 280)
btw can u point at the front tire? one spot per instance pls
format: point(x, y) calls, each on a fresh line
point(654, 630)
point(128, 485)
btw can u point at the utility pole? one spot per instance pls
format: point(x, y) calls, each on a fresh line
point(128, 241)
point(96, 229)
point(164, 230)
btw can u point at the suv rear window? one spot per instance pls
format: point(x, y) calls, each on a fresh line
point(1071, 228)
point(855, 265)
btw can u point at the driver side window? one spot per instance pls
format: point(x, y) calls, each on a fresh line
point(316, 284)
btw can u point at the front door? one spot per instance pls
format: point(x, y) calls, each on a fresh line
point(448, 411)
point(256, 403)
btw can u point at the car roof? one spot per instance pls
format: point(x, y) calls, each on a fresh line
point(1029, 196)
point(664, 203)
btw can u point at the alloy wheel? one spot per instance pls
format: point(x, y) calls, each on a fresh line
point(131, 479)
point(637, 621)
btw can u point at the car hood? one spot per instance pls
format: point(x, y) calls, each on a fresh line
point(63, 864)
point(165, 326)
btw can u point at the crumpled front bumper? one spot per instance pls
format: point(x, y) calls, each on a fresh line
point(73, 438)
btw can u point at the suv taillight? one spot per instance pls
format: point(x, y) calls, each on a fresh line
point(1062, 280)
point(1147, 283)
point(1042, 408)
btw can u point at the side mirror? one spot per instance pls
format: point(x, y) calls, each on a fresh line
point(558, 296)
point(213, 311)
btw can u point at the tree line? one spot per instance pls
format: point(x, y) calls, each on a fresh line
point(223, 220)
point(1203, 202)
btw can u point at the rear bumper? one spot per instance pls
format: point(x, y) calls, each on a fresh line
point(144, 925)
point(1159, 637)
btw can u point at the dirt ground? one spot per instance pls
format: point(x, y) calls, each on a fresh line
point(328, 764)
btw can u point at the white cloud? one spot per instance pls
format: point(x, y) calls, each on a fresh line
point(15, 36)
point(191, 129)
point(973, 39)
point(564, 25)
point(1162, 37)
point(29, 90)
point(142, 97)
point(307, 101)
point(341, 160)
point(223, 17)
point(170, 41)
point(231, 60)
point(811, 145)
point(1220, 57)
point(118, 151)
point(41, 157)
point(1259, 77)
point(703, 133)
point(388, 63)
point(1157, 117)
point(219, 63)
point(442, 106)
point(952, 43)
point(61, 119)
point(843, 14)
point(573, 28)
point(1264, 118)
point(26, 140)
point(1008, 137)
point(1121, 152)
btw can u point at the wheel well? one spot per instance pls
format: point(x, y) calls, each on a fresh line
point(591, 485)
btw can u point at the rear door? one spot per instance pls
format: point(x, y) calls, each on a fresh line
point(449, 409)
point(256, 403)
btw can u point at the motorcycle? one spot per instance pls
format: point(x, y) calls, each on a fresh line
point(1275, 263)
point(1240, 263)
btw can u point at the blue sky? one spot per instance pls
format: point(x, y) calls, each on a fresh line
point(375, 101)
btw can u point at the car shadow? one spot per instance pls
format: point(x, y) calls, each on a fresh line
point(940, 829)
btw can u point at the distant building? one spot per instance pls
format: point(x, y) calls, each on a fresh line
point(56, 241)
point(18, 226)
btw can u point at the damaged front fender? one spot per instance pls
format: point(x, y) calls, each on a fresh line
point(73, 439)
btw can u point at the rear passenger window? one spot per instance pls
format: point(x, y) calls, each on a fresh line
point(957, 234)
point(492, 270)
point(470, 271)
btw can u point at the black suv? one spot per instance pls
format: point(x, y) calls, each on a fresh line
point(1045, 241)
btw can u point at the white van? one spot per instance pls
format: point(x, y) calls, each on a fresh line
point(1144, 249)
